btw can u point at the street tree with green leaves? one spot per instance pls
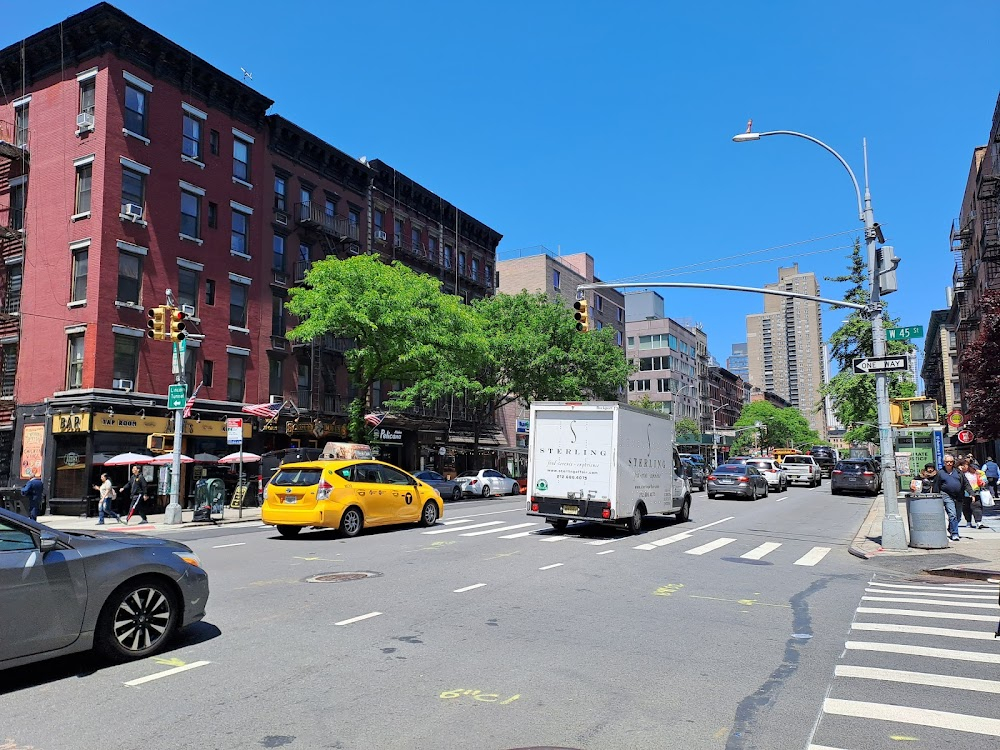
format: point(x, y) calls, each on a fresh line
point(981, 371)
point(782, 428)
point(853, 395)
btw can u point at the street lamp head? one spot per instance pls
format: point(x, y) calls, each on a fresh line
point(739, 138)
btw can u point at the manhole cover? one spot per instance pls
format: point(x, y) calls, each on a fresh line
point(341, 577)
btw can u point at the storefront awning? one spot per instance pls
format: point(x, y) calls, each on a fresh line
point(489, 437)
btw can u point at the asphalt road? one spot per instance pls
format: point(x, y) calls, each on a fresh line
point(488, 632)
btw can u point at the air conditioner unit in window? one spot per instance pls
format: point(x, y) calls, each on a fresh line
point(120, 384)
point(84, 121)
point(281, 218)
point(277, 399)
point(133, 211)
point(380, 235)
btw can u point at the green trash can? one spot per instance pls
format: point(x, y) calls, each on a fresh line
point(927, 520)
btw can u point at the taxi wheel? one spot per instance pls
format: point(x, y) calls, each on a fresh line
point(429, 515)
point(486, 490)
point(289, 531)
point(352, 522)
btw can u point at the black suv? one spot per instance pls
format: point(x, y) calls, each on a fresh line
point(825, 458)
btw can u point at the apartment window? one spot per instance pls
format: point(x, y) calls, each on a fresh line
point(354, 219)
point(631, 341)
point(599, 302)
point(278, 253)
point(21, 125)
point(618, 338)
point(9, 373)
point(209, 292)
point(379, 219)
point(275, 376)
point(241, 160)
point(600, 325)
point(16, 218)
point(397, 232)
point(129, 278)
point(213, 142)
point(241, 226)
point(187, 288)
point(303, 263)
point(280, 194)
point(488, 274)
point(135, 110)
point(415, 239)
point(432, 248)
point(12, 301)
point(213, 215)
point(191, 145)
point(235, 381)
point(556, 277)
point(126, 362)
point(329, 210)
point(621, 314)
point(190, 214)
point(639, 385)
point(277, 315)
point(88, 90)
point(74, 369)
point(78, 285)
point(461, 261)
point(133, 188)
point(475, 268)
point(238, 294)
point(207, 373)
point(84, 176)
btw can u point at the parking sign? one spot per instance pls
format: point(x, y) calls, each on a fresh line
point(234, 431)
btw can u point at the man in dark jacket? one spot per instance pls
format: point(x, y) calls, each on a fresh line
point(137, 492)
point(953, 484)
point(992, 475)
point(33, 490)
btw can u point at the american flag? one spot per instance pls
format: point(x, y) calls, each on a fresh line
point(267, 411)
point(375, 418)
point(189, 404)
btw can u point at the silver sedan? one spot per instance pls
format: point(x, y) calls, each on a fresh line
point(486, 482)
point(61, 593)
point(449, 489)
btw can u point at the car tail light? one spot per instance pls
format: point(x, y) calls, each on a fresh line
point(473, 481)
point(711, 477)
point(868, 473)
point(744, 479)
point(837, 471)
point(534, 506)
point(323, 493)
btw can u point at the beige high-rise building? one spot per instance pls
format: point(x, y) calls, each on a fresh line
point(785, 346)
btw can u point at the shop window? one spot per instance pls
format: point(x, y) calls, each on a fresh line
point(71, 468)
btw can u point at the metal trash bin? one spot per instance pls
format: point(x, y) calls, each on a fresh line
point(927, 520)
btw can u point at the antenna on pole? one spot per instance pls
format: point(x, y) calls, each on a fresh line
point(247, 74)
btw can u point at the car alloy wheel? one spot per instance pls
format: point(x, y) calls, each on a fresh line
point(515, 489)
point(137, 620)
point(456, 494)
point(352, 522)
point(486, 490)
point(429, 515)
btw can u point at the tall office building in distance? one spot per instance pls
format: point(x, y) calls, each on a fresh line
point(785, 346)
point(738, 362)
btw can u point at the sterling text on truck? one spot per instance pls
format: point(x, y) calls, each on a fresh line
point(604, 462)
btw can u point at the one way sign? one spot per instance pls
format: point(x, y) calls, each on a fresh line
point(880, 364)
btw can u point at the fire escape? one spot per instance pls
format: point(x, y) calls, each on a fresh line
point(14, 162)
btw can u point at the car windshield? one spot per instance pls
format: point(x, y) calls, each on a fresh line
point(731, 469)
point(297, 477)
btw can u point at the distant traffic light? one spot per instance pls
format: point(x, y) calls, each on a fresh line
point(177, 325)
point(156, 326)
point(582, 322)
point(896, 414)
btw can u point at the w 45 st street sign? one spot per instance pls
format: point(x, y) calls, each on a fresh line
point(869, 365)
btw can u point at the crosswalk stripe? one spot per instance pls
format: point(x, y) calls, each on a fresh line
point(497, 531)
point(606, 552)
point(518, 535)
point(451, 521)
point(822, 747)
point(813, 556)
point(600, 542)
point(910, 715)
point(919, 678)
point(644, 546)
point(934, 602)
point(925, 613)
point(553, 538)
point(931, 593)
point(887, 627)
point(549, 567)
point(721, 542)
point(465, 528)
point(661, 542)
point(969, 589)
point(934, 653)
point(758, 552)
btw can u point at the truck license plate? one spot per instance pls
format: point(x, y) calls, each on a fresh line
point(570, 510)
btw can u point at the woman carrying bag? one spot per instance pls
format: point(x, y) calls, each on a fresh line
point(972, 507)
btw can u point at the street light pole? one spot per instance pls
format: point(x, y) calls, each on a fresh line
point(893, 533)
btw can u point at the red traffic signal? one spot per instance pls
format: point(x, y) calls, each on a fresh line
point(177, 325)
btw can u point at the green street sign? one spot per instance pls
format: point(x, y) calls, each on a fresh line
point(177, 396)
point(907, 332)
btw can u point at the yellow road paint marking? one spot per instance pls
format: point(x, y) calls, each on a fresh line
point(172, 662)
point(903, 738)
point(478, 695)
point(723, 731)
point(670, 588)
point(744, 602)
point(324, 559)
point(502, 554)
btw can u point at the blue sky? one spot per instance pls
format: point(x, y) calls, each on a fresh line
point(605, 128)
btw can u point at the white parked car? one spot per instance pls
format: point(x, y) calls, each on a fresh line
point(771, 469)
point(486, 482)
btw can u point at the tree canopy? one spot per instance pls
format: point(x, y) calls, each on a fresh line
point(783, 428)
point(981, 370)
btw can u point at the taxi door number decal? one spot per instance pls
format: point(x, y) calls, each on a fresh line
point(408, 497)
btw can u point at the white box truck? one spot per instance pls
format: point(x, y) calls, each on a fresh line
point(605, 462)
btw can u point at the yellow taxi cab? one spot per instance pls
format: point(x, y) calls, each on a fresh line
point(347, 494)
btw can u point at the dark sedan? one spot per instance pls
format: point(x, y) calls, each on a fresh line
point(695, 473)
point(855, 475)
point(737, 479)
point(447, 488)
point(61, 593)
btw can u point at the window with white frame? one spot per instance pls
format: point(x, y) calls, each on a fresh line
point(190, 214)
point(187, 288)
point(74, 359)
point(236, 378)
point(241, 159)
point(135, 110)
point(84, 179)
point(129, 278)
point(191, 142)
point(88, 95)
point(239, 294)
point(240, 241)
point(78, 284)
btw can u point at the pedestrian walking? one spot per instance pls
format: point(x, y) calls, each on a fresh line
point(973, 462)
point(992, 472)
point(33, 490)
point(972, 506)
point(951, 482)
point(137, 494)
point(924, 481)
point(105, 503)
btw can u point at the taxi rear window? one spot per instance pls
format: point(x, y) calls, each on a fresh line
point(297, 477)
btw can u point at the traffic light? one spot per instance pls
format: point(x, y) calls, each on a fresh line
point(582, 323)
point(923, 411)
point(887, 262)
point(177, 325)
point(896, 414)
point(156, 326)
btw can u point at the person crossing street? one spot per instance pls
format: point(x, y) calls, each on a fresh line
point(952, 483)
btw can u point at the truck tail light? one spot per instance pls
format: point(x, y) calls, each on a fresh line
point(534, 505)
point(323, 493)
point(606, 511)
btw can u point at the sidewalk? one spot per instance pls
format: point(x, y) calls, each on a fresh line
point(156, 521)
point(980, 546)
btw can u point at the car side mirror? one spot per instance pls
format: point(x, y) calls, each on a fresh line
point(47, 544)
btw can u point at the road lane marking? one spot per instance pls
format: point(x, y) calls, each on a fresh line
point(464, 528)
point(925, 613)
point(661, 542)
point(494, 513)
point(452, 521)
point(601, 542)
point(518, 535)
point(930, 593)
point(234, 544)
point(166, 673)
point(813, 556)
point(714, 523)
point(919, 678)
point(468, 588)
point(758, 552)
point(934, 602)
point(497, 531)
point(552, 538)
point(358, 619)
point(936, 589)
point(721, 542)
point(934, 653)
point(549, 567)
point(606, 552)
point(885, 627)
point(925, 717)
point(822, 747)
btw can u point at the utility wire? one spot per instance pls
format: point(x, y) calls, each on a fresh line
point(758, 262)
